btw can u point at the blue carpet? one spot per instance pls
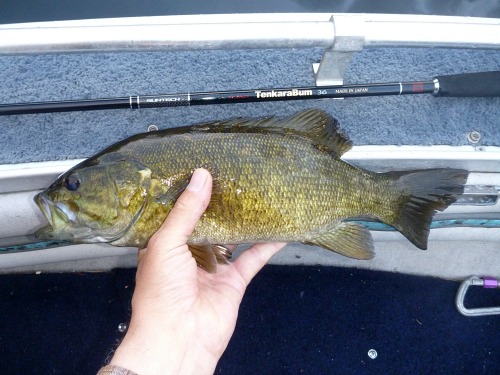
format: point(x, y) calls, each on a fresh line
point(315, 320)
point(409, 120)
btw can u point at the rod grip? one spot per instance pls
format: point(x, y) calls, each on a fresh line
point(470, 84)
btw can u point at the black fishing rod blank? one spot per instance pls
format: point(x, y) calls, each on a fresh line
point(483, 84)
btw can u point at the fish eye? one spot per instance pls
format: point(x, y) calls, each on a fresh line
point(71, 183)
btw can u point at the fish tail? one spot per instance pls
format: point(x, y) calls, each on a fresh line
point(421, 194)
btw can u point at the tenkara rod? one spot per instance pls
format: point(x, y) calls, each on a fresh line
point(458, 85)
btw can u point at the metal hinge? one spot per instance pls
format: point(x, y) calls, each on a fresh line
point(349, 37)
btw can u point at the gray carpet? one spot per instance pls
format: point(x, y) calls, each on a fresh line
point(411, 120)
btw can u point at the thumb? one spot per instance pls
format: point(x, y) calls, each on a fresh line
point(186, 212)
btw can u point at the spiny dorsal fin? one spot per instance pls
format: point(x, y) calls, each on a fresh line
point(313, 124)
point(349, 239)
point(321, 127)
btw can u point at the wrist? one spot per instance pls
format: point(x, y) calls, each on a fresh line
point(150, 348)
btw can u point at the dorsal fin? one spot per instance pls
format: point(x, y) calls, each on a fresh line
point(313, 124)
point(321, 127)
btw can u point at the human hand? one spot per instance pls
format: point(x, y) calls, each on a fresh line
point(182, 316)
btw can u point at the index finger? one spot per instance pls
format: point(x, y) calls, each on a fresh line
point(251, 261)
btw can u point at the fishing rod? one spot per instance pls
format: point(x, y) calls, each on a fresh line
point(482, 84)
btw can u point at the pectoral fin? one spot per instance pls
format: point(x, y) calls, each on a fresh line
point(207, 256)
point(349, 239)
point(169, 195)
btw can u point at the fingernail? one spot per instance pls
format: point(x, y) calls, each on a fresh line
point(197, 180)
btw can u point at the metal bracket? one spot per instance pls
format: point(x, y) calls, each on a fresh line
point(349, 37)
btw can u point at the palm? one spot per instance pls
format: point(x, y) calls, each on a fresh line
point(210, 301)
point(216, 307)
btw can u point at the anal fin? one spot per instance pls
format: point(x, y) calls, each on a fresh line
point(349, 239)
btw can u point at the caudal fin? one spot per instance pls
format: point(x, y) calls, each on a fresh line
point(423, 193)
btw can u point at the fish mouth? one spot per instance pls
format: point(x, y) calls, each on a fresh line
point(58, 215)
point(43, 204)
point(64, 224)
point(55, 212)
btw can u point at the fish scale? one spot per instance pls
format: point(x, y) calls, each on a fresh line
point(258, 184)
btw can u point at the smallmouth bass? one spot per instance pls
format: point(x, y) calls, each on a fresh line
point(273, 180)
